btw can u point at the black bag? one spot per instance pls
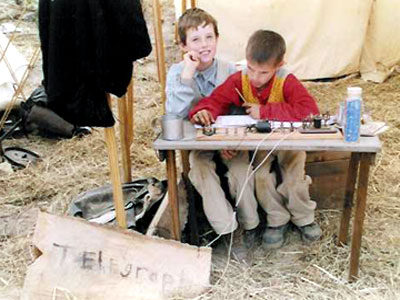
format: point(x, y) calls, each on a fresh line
point(142, 197)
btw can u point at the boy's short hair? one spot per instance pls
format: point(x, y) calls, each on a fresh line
point(193, 18)
point(265, 46)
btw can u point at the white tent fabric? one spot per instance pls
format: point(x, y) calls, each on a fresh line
point(382, 45)
point(18, 64)
point(324, 38)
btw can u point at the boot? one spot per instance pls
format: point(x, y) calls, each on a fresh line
point(239, 251)
point(274, 237)
point(311, 232)
point(251, 237)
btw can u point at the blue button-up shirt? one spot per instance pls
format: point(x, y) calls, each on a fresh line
point(182, 95)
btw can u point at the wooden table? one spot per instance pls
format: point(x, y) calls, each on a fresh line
point(362, 156)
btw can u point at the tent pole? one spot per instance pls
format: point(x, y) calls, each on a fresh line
point(114, 173)
point(130, 112)
point(159, 49)
point(123, 133)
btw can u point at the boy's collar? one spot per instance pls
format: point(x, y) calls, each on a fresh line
point(264, 88)
point(209, 72)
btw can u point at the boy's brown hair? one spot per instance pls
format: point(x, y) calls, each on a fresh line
point(193, 18)
point(265, 46)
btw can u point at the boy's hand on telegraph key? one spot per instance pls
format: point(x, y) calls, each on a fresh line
point(202, 117)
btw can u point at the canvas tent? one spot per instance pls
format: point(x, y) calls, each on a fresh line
point(12, 68)
point(325, 39)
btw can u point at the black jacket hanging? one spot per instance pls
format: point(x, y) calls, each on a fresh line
point(88, 48)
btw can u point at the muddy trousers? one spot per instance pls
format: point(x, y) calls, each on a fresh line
point(290, 201)
point(217, 208)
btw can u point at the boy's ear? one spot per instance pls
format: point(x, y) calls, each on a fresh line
point(279, 65)
point(183, 47)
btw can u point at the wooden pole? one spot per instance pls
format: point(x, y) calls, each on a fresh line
point(114, 173)
point(193, 3)
point(366, 159)
point(124, 137)
point(348, 198)
point(159, 49)
point(130, 112)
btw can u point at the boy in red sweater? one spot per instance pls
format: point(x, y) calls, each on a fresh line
point(271, 92)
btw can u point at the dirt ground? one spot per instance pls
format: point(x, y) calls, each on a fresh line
point(296, 271)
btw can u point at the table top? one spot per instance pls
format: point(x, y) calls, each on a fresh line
point(365, 144)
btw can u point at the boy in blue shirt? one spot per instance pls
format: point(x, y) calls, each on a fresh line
point(187, 82)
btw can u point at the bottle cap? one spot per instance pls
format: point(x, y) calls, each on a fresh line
point(354, 91)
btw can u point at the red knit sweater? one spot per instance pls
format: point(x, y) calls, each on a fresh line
point(298, 102)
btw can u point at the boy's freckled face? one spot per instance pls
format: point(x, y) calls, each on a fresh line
point(261, 73)
point(203, 41)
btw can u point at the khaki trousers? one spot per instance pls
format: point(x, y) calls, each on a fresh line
point(291, 200)
point(217, 208)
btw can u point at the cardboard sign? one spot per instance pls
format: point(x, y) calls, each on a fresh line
point(81, 260)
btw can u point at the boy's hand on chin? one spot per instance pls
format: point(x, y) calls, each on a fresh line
point(228, 154)
point(253, 110)
point(202, 117)
point(192, 61)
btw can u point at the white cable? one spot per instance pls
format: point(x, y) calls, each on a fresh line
point(240, 198)
point(256, 150)
point(263, 161)
point(248, 176)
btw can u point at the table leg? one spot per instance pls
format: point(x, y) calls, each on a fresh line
point(173, 193)
point(366, 159)
point(348, 198)
point(192, 220)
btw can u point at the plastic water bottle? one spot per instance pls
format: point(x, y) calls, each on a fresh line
point(352, 120)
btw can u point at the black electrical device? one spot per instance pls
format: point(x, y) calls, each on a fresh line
point(262, 126)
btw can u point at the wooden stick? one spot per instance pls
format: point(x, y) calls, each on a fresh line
point(160, 50)
point(183, 9)
point(130, 112)
point(114, 173)
point(193, 3)
point(240, 95)
point(123, 133)
point(176, 34)
point(14, 33)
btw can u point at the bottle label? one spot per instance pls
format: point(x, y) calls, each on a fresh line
point(353, 120)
